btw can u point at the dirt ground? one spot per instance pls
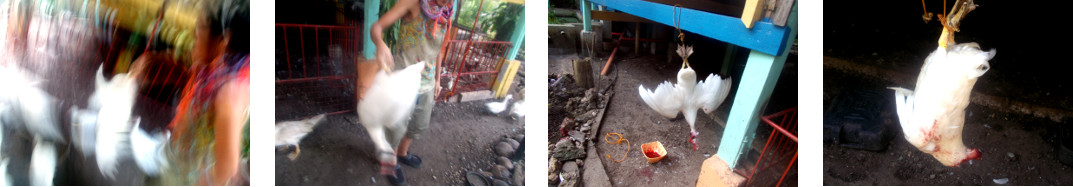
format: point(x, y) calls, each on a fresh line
point(627, 114)
point(338, 152)
point(1016, 145)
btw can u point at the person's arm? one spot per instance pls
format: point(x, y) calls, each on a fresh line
point(383, 53)
point(231, 106)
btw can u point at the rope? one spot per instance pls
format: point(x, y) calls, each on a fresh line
point(617, 141)
point(676, 17)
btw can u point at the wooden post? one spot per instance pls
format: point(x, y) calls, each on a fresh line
point(637, 37)
point(583, 73)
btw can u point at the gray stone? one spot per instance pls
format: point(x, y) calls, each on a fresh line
point(519, 174)
point(498, 182)
point(503, 149)
point(566, 150)
point(503, 161)
point(519, 137)
point(501, 172)
point(514, 144)
point(570, 175)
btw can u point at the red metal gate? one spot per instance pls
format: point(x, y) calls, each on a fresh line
point(315, 71)
point(779, 153)
point(470, 65)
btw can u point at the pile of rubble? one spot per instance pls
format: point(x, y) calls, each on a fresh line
point(580, 116)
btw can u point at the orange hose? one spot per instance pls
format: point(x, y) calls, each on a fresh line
point(618, 141)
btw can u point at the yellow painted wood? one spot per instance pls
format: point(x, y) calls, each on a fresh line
point(752, 12)
point(505, 78)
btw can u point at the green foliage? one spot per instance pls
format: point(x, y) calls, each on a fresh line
point(552, 19)
point(391, 33)
point(502, 24)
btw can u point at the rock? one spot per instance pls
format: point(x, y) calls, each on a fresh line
point(566, 150)
point(567, 125)
point(553, 178)
point(519, 137)
point(498, 182)
point(503, 161)
point(553, 165)
point(519, 174)
point(487, 173)
point(570, 174)
point(476, 180)
point(503, 149)
point(514, 144)
point(501, 172)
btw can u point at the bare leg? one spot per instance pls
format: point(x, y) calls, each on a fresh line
point(404, 147)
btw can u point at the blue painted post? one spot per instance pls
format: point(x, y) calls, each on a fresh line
point(372, 14)
point(764, 36)
point(761, 73)
point(585, 19)
point(517, 37)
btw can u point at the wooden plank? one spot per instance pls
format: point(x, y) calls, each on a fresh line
point(782, 12)
point(617, 16)
point(764, 36)
point(752, 12)
point(707, 6)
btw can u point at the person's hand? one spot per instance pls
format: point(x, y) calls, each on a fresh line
point(384, 57)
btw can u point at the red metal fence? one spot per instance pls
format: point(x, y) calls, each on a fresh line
point(315, 71)
point(470, 65)
point(780, 151)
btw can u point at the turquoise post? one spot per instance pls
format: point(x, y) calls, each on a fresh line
point(372, 14)
point(761, 72)
point(585, 18)
point(517, 37)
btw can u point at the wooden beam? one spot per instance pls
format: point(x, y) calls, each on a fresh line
point(782, 12)
point(752, 12)
point(764, 36)
point(707, 6)
point(617, 16)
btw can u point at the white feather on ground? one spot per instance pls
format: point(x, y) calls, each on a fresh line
point(291, 132)
point(498, 107)
point(687, 96)
point(387, 104)
point(42, 163)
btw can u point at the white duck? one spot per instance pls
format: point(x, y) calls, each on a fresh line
point(688, 95)
point(291, 132)
point(498, 107)
point(387, 104)
point(519, 108)
point(933, 117)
